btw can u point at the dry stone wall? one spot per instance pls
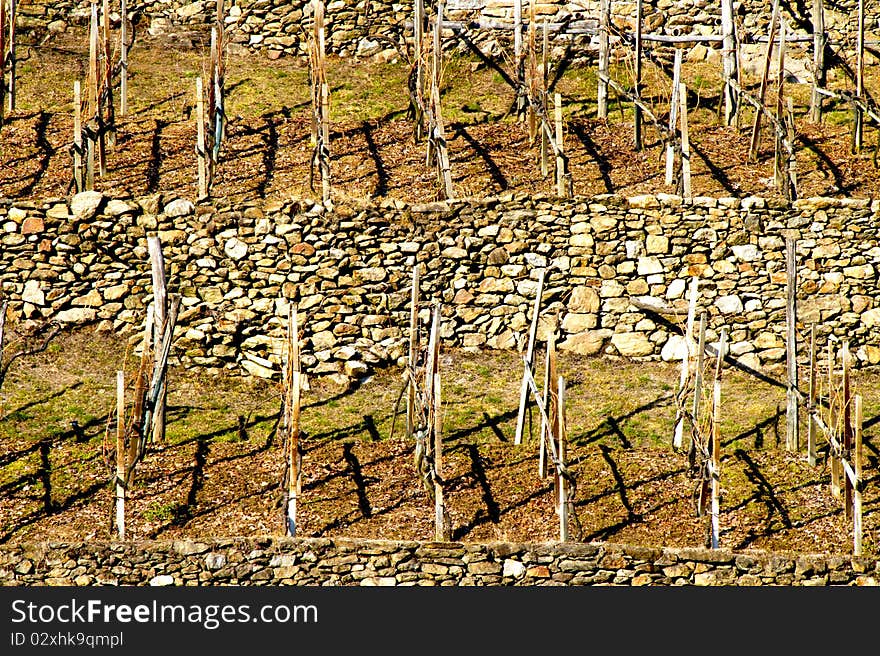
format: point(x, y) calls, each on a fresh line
point(618, 271)
point(348, 562)
point(379, 28)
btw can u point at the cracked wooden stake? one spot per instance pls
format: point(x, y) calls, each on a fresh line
point(529, 359)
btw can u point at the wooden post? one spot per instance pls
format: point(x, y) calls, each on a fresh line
point(293, 389)
point(548, 430)
point(201, 147)
point(811, 430)
point(685, 143)
point(637, 110)
point(2, 59)
point(12, 56)
point(123, 57)
point(819, 77)
point(698, 380)
point(107, 81)
point(561, 173)
point(120, 453)
point(418, 57)
point(791, 412)
point(857, 466)
point(77, 136)
point(93, 112)
point(413, 350)
point(325, 131)
point(716, 441)
point(860, 79)
point(765, 76)
point(518, 59)
point(532, 73)
point(847, 429)
point(160, 303)
point(545, 70)
point(678, 435)
point(728, 61)
point(432, 383)
point(604, 31)
point(778, 173)
point(529, 359)
point(673, 116)
point(834, 424)
point(560, 479)
point(440, 141)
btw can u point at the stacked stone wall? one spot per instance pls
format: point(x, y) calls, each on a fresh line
point(618, 272)
point(349, 562)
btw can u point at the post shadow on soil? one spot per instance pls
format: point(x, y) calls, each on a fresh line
point(154, 164)
point(718, 174)
point(460, 130)
point(183, 513)
point(492, 511)
point(44, 158)
point(601, 162)
point(759, 430)
point(765, 494)
point(611, 426)
point(825, 163)
point(382, 176)
point(357, 476)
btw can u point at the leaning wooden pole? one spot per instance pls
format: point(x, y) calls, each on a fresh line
point(160, 304)
point(120, 454)
point(519, 69)
point(107, 76)
point(819, 76)
point(847, 441)
point(791, 407)
point(94, 111)
point(529, 360)
point(419, 64)
point(834, 424)
point(550, 415)
point(765, 77)
point(2, 59)
point(778, 172)
point(561, 173)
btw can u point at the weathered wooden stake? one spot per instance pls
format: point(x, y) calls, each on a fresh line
point(834, 424)
point(107, 78)
point(120, 453)
point(532, 73)
point(561, 486)
point(123, 57)
point(698, 377)
point(561, 186)
point(12, 58)
point(819, 78)
point(418, 48)
point(529, 360)
point(201, 146)
point(77, 137)
point(604, 31)
point(685, 143)
point(847, 428)
point(293, 391)
point(93, 118)
point(2, 59)
point(545, 71)
point(811, 430)
point(857, 465)
point(440, 142)
point(778, 169)
point(678, 435)
point(729, 52)
point(791, 408)
point(518, 59)
point(325, 131)
point(549, 431)
point(860, 79)
point(637, 92)
point(413, 350)
point(160, 303)
point(716, 442)
point(765, 77)
point(673, 116)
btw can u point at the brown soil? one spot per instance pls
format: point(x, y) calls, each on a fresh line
point(220, 469)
